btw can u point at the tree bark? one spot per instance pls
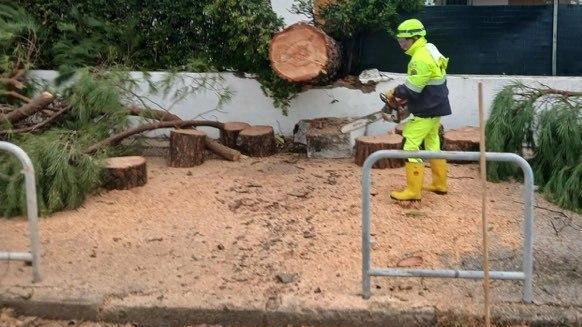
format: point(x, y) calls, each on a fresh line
point(462, 139)
point(123, 173)
point(187, 147)
point(221, 150)
point(302, 53)
point(229, 135)
point(113, 139)
point(217, 148)
point(257, 141)
point(30, 108)
point(366, 145)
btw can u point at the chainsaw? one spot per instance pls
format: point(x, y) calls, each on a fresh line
point(394, 110)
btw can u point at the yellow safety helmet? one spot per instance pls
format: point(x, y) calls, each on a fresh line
point(410, 28)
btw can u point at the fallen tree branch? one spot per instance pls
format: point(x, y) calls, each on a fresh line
point(153, 114)
point(12, 81)
point(222, 150)
point(113, 139)
point(29, 108)
point(18, 74)
point(219, 149)
point(15, 95)
point(39, 125)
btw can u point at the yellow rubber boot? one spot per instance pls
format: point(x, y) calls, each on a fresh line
point(439, 176)
point(414, 174)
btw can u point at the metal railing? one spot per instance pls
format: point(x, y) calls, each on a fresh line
point(528, 227)
point(31, 210)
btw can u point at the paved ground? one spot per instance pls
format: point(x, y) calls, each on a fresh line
point(276, 241)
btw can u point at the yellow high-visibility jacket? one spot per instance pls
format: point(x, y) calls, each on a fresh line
point(426, 84)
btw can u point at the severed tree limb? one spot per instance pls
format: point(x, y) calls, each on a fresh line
point(6, 109)
point(39, 125)
point(113, 139)
point(12, 81)
point(222, 150)
point(30, 108)
point(15, 95)
point(153, 114)
point(18, 74)
point(219, 149)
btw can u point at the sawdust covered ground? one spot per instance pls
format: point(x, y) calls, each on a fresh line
point(257, 231)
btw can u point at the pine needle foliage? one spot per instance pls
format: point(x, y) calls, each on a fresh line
point(64, 174)
point(94, 92)
point(544, 126)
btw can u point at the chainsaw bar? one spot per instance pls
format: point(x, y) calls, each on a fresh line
point(361, 122)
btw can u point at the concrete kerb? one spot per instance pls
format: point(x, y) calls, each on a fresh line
point(96, 309)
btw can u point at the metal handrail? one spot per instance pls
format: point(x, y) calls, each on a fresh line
point(31, 211)
point(528, 227)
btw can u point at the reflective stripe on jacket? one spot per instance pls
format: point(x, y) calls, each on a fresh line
point(426, 84)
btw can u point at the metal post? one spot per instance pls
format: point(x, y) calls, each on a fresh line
point(528, 227)
point(31, 211)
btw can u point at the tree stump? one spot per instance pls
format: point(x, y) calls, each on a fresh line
point(462, 139)
point(257, 141)
point(324, 138)
point(366, 145)
point(400, 127)
point(229, 134)
point(303, 53)
point(123, 173)
point(187, 148)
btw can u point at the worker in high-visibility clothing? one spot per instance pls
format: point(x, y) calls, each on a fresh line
point(426, 94)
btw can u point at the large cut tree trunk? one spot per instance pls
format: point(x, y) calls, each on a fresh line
point(302, 53)
point(366, 145)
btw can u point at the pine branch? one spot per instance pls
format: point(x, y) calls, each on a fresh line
point(38, 126)
point(15, 95)
point(113, 139)
point(160, 115)
point(30, 108)
point(13, 82)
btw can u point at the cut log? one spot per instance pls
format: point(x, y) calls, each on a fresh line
point(366, 145)
point(187, 147)
point(462, 139)
point(257, 141)
point(30, 108)
point(229, 134)
point(222, 150)
point(400, 127)
point(302, 53)
point(123, 173)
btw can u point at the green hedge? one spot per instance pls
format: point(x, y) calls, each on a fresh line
point(157, 34)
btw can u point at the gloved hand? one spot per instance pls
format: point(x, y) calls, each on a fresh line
point(389, 95)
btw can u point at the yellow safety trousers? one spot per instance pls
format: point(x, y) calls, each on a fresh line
point(420, 129)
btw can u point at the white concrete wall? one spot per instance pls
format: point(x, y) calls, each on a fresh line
point(249, 104)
